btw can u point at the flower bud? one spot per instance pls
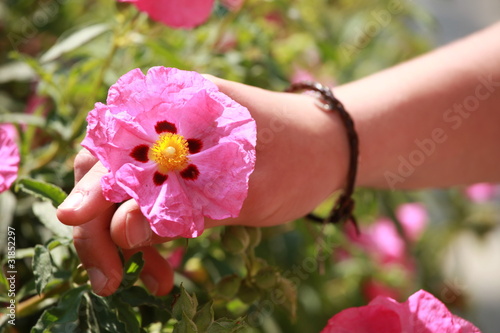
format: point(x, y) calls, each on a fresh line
point(266, 278)
point(255, 235)
point(235, 239)
point(248, 293)
point(228, 286)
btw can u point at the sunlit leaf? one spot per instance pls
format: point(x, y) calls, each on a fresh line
point(64, 317)
point(46, 213)
point(42, 267)
point(42, 190)
point(132, 269)
point(74, 41)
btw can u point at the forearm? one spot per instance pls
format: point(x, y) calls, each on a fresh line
point(433, 121)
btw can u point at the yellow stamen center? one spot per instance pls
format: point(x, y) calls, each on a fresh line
point(170, 151)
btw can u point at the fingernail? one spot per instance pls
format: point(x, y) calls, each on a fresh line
point(73, 201)
point(98, 280)
point(150, 283)
point(138, 231)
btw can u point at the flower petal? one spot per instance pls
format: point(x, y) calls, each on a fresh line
point(176, 13)
point(365, 319)
point(9, 156)
point(222, 185)
point(113, 136)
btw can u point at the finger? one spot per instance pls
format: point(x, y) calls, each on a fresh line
point(156, 274)
point(84, 161)
point(98, 253)
point(86, 201)
point(130, 229)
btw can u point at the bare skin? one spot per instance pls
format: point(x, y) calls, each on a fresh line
point(430, 122)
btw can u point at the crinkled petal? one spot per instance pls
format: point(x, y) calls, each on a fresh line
point(9, 156)
point(129, 91)
point(365, 319)
point(167, 207)
point(431, 315)
point(222, 185)
point(112, 136)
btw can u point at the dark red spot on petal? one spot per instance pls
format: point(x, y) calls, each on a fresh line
point(140, 153)
point(191, 172)
point(194, 146)
point(159, 178)
point(165, 126)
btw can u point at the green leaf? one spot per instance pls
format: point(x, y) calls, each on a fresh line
point(43, 267)
point(7, 207)
point(204, 317)
point(126, 315)
point(185, 325)
point(46, 213)
point(74, 41)
point(185, 304)
point(224, 325)
point(132, 269)
point(106, 317)
point(42, 190)
point(23, 119)
point(64, 316)
point(16, 71)
point(138, 296)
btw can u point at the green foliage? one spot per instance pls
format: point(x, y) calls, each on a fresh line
point(42, 190)
point(42, 267)
point(282, 279)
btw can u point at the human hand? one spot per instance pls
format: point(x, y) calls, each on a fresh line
point(301, 159)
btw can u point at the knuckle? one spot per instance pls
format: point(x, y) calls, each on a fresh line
point(84, 159)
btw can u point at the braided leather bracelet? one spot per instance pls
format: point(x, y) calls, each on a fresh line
point(343, 208)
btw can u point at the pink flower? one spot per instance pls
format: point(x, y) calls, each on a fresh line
point(480, 192)
point(233, 5)
point(300, 74)
point(372, 288)
point(382, 241)
point(176, 13)
point(174, 143)
point(175, 257)
point(414, 218)
point(422, 312)
point(9, 156)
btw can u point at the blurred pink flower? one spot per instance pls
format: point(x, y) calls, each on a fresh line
point(175, 257)
point(9, 156)
point(414, 218)
point(372, 288)
point(382, 241)
point(176, 13)
point(300, 74)
point(422, 312)
point(233, 5)
point(481, 192)
point(177, 145)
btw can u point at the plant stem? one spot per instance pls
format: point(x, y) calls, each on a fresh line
point(33, 304)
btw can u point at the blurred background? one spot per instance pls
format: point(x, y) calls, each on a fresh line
point(473, 263)
point(59, 57)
